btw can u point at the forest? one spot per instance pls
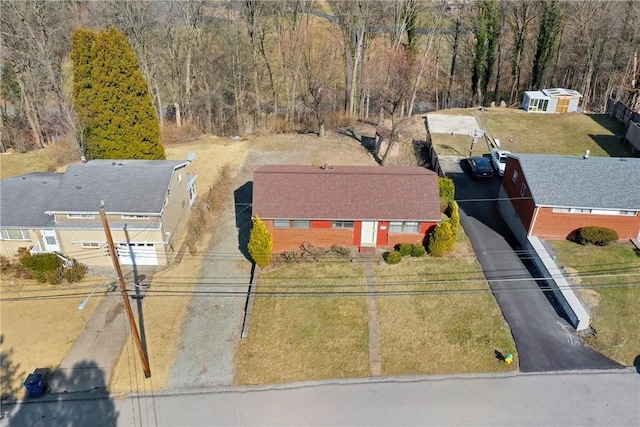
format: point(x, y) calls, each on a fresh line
point(256, 67)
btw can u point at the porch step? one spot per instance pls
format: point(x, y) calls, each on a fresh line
point(367, 249)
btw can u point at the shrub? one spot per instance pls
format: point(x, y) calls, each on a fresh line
point(53, 277)
point(392, 257)
point(440, 239)
point(447, 189)
point(341, 251)
point(599, 236)
point(454, 221)
point(418, 250)
point(404, 248)
point(260, 243)
point(292, 257)
point(75, 273)
point(40, 263)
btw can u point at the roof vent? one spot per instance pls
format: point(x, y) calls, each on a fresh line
point(586, 154)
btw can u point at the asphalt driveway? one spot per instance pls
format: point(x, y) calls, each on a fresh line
point(544, 340)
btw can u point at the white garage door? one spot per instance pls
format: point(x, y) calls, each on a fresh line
point(137, 253)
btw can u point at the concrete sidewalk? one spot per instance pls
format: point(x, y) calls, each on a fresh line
point(90, 362)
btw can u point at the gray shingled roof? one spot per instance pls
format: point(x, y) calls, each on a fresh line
point(346, 193)
point(126, 186)
point(24, 199)
point(570, 181)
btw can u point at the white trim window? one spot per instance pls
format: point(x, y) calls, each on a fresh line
point(301, 223)
point(281, 223)
point(135, 217)
point(595, 211)
point(404, 227)
point(342, 224)
point(80, 216)
point(514, 178)
point(523, 190)
point(14, 234)
point(90, 245)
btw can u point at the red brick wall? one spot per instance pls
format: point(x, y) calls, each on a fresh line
point(524, 206)
point(321, 234)
point(558, 225)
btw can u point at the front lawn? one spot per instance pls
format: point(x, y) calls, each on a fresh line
point(296, 336)
point(448, 322)
point(612, 292)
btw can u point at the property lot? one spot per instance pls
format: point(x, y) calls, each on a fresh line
point(607, 278)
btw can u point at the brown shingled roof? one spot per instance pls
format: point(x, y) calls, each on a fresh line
point(346, 193)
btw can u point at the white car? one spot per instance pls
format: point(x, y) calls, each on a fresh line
point(499, 160)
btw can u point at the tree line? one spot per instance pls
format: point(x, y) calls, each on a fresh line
point(241, 67)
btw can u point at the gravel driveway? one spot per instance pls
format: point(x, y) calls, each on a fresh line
point(213, 324)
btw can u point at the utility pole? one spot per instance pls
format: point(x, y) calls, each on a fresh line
point(125, 296)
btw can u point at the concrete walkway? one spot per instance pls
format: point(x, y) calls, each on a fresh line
point(375, 361)
point(90, 362)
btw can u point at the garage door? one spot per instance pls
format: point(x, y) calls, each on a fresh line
point(137, 253)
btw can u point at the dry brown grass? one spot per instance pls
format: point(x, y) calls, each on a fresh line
point(38, 333)
point(438, 328)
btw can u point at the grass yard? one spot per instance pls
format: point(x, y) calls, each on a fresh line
point(440, 333)
point(38, 333)
point(12, 164)
point(521, 132)
point(615, 309)
point(299, 338)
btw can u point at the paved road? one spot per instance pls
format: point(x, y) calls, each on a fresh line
point(562, 399)
point(545, 341)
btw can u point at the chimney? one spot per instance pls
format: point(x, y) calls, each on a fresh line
point(586, 154)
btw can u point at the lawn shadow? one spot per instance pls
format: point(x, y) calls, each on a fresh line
point(243, 197)
point(55, 409)
point(612, 144)
point(367, 142)
point(636, 363)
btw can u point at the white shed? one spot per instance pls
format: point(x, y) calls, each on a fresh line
point(556, 100)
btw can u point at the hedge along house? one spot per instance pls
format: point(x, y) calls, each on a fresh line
point(354, 206)
point(550, 196)
point(147, 204)
point(557, 100)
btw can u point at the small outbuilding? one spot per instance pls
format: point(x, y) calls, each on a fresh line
point(556, 100)
point(366, 207)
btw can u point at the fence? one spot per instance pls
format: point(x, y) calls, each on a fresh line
point(631, 120)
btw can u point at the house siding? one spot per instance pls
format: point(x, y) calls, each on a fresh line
point(321, 234)
point(551, 224)
point(523, 205)
point(9, 248)
point(177, 210)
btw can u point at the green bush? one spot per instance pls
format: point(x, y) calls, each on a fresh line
point(53, 277)
point(454, 222)
point(418, 250)
point(599, 236)
point(440, 238)
point(447, 190)
point(392, 257)
point(404, 248)
point(260, 243)
point(40, 263)
point(75, 273)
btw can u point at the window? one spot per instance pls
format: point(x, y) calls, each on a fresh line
point(342, 224)
point(90, 245)
point(628, 213)
point(15, 234)
point(523, 190)
point(134, 217)
point(281, 223)
point(301, 223)
point(404, 227)
point(561, 210)
point(81, 216)
point(514, 178)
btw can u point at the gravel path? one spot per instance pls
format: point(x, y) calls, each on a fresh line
point(213, 324)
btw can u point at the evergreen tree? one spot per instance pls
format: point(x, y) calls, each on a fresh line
point(113, 105)
point(260, 243)
point(548, 33)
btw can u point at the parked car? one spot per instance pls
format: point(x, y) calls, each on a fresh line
point(499, 160)
point(480, 167)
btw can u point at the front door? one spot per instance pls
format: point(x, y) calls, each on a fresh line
point(369, 233)
point(50, 241)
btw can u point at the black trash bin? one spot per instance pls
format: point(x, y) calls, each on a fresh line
point(34, 385)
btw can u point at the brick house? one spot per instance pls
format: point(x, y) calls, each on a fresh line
point(354, 206)
point(147, 204)
point(550, 196)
